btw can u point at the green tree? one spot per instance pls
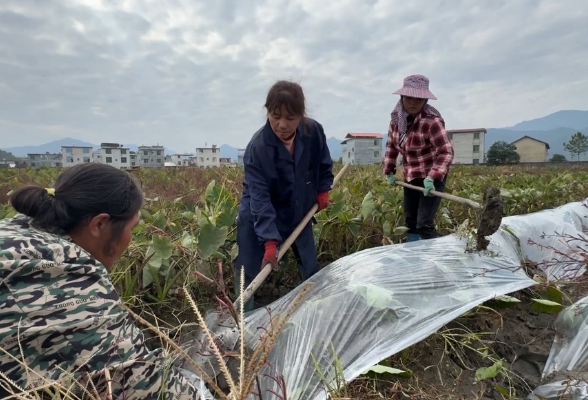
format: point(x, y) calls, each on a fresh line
point(5, 155)
point(558, 158)
point(502, 153)
point(577, 145)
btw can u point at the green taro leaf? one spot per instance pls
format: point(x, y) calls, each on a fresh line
point(162, 246)
point(234, 251)
point(227, 218)
point(211, 195)
point(376, 296)
point(159, 220)
point(552, 293)
point(210, 239)
point(490, 372)
point(354, 229)
point(145, 214)
point(387, 228)
point(356, 188)
point(400, 230)
point(382, 369)
point(188, 240)
point(546, 306)
point(507, 299)
point(367, 206)
point(337, 196)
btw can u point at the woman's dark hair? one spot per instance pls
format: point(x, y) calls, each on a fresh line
point(287, 94)
point(82, 192)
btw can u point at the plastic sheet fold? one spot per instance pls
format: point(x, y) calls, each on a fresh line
point(568, 356)
point(370, 305)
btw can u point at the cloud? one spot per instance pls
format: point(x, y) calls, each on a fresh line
point(186, 72)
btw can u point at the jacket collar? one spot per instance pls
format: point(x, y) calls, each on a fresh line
point(272, 140)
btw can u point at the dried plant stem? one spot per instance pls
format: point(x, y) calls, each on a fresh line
point(274, 336)
point(11, 382)
point(211, 341)
point(23, 358)
point(181, 352)
point(242, 331)
point(58, 385)
point(108, 383)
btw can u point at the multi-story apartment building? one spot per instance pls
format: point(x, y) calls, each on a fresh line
point(468, 145)
point(151, 156)
point(39, 160)
point(362, 148)
point(74, 155)
point(208, 157)
point(113, 154)
point(133, 158)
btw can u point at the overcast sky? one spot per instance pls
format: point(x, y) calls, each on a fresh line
point(185, 72)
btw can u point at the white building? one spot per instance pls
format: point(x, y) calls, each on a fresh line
point(74, 155)
point(39, 160)
point(208, 157)
point(183, 160)
point(240, 155)
point(113, 154)
point(362, 148)
point(133, 158)
point(151, 156)
point(468, 145)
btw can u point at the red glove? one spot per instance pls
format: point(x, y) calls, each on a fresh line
point(271, 254)
point(323, 200)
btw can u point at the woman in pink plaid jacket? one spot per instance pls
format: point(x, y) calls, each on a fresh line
point(417, 132)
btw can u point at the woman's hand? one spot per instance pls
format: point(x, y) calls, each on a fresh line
point(429, 185)
point(271, 254)
point(323, 200)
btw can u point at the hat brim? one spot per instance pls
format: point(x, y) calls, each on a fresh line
point(417, 93)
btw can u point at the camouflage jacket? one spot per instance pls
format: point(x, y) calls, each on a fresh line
point(60, 312)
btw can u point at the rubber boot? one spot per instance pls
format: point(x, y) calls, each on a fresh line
point(413, 237)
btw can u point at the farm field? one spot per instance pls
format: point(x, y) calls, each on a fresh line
point(187, 235)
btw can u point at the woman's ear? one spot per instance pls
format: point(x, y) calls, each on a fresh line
point(98, 225)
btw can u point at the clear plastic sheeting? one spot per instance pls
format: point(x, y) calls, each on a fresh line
point(370, 305)
point(570, 347)
point(561, 390)
point(568, 356)
point(552, 234)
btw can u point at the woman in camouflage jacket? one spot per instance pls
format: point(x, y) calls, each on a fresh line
point(58, 308)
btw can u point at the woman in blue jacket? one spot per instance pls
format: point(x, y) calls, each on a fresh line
point(288, 169)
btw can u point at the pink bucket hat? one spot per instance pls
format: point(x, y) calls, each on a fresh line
point(416, 86)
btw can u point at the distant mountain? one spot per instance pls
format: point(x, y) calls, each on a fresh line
point(51, 147)
point(573, 119)
point(55, 147)
point(334, 145)
point(228, 151)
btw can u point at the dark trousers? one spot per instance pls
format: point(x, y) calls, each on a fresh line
point(251, 252)
point(420, 211)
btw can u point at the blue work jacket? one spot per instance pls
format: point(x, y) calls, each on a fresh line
point(279, 188)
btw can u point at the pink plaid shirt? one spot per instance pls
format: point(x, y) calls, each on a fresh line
point(427, 150)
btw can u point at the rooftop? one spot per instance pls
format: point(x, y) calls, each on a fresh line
point(354, 135)
point(532, 138)
point(473, 130)
point(78, 147)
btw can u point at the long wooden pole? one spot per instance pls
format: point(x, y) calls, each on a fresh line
point(262, 276)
